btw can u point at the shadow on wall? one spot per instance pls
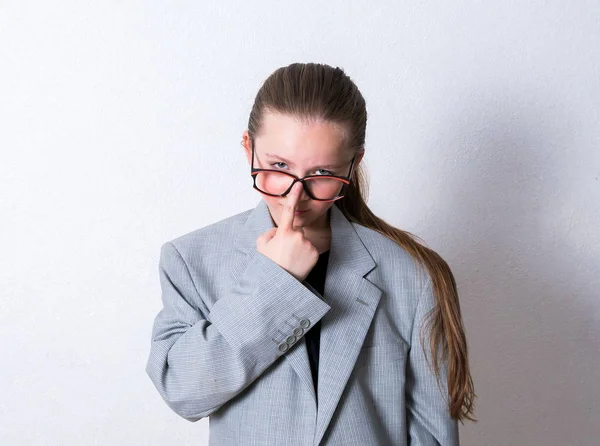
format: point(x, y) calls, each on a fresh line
point(527, 269)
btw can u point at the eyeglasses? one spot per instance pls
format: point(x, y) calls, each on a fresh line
point(318, 187)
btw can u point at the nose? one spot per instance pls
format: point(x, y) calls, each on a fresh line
point(303, 199)
point(303, 195)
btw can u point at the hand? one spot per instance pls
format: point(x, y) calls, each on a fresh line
point(287, 246)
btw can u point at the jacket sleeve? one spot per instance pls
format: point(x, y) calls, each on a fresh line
point(198, 359)
point(428, 418)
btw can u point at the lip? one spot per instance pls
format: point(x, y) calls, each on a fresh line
point(299, 212)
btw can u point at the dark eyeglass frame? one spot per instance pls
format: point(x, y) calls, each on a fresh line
point(345, 179)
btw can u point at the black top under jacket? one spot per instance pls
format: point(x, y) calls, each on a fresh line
point(316, 279)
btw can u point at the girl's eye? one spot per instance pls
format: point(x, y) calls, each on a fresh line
point(325, 172)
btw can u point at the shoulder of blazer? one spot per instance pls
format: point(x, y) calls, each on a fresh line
point(394, 263)
point(381, 247)
point(214, 235)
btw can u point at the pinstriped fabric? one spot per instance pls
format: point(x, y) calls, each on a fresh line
point(215, 348)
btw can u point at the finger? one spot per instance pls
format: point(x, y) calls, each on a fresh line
point(286, 220)
point(265, 237)
point(269, 234)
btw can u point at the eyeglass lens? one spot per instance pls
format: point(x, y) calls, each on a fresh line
point(277, 183)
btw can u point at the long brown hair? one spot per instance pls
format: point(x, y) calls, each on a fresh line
point(319, 91)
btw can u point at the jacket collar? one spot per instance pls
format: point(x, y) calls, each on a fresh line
point(352, 298)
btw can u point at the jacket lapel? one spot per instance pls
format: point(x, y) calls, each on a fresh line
point(352, 298)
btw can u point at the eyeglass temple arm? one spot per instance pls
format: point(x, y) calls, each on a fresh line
point(252, 144)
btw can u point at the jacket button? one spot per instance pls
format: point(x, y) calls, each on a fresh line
point(304, 323)
point(283, 347)
point(290, 339)
point(298, 331)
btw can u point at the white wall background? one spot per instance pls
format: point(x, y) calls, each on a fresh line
point(120, 129)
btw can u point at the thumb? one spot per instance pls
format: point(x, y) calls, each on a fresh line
point(270, 234)
point(264, 238)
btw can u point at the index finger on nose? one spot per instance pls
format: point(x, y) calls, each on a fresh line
point(289, 208)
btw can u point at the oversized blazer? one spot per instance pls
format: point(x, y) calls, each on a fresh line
point(229, 343)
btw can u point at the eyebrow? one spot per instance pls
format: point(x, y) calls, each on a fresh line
point(324, 166)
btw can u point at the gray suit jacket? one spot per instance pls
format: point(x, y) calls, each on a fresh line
point(228, 343)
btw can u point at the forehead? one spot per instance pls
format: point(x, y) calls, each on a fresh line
point(288, 136)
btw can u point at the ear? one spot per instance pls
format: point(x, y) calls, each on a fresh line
point(247, 145)
point(359, 157)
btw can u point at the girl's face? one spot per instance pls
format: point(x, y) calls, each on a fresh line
point(302, 149)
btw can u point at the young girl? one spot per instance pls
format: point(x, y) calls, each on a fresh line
point(307, 320)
